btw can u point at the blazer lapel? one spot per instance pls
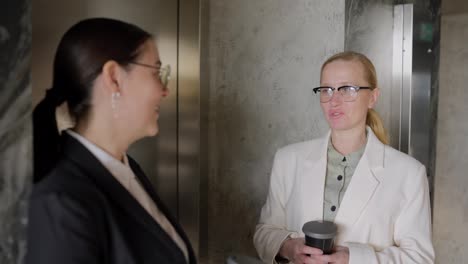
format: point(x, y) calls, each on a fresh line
point(104, 180)
point(312, 175)
point(149, 188)
point(362, 186)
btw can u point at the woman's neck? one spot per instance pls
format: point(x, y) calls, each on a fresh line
point(106, 141)
point(348, 141)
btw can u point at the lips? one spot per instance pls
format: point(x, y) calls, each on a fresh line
point(335, 114)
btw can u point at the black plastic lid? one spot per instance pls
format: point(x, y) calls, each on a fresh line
point(320, 229)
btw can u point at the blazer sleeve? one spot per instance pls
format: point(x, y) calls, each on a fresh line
point(412, 233)
point(61, 230)
point(271, 230)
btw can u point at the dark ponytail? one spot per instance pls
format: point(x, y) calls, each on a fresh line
point(80, 56)
point(45, 133)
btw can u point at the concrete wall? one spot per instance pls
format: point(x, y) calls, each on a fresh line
point(15, 127)
point(451, 181)
point(259, 65)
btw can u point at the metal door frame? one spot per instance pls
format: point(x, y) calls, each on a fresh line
point(188, 118)
point(402, 77)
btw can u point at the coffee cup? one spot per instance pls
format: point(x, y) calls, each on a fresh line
point(320, 234)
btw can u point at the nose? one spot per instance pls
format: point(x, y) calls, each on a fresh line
point(336, 98)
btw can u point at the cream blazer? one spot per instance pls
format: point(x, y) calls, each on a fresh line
point(384, 217)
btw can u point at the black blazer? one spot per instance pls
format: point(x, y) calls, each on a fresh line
point(80, 213)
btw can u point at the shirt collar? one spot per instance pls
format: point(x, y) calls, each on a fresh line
point(352, 159)
point(121, 171)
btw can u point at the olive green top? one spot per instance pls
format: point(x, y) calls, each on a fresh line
point(340, 170)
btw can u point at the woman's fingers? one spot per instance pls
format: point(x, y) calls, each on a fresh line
point(310, 250)
point(341, 256)
point(295, 250)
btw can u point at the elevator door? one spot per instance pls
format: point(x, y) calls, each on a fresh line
point(158, 156)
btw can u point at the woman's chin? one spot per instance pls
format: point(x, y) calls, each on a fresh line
point(340, 126)
point(337, 125)
point(153, 131)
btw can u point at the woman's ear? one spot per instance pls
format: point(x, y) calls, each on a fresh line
point(111, 74)
point(374, 97)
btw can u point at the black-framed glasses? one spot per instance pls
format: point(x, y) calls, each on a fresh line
point(164, 71)
point(348, 92)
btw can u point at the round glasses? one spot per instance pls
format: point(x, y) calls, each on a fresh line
point(164, 72)
point(348, 92)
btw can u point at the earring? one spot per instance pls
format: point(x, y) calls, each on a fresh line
point(114, 103)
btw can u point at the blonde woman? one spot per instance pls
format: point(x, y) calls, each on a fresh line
point(377, 196)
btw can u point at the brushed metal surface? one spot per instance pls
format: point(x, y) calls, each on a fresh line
point(402, 77)
point(424, 61)
point(397, 74)
point(188, 95)
point(407, 91)
point(171, 158)
point(156, 155)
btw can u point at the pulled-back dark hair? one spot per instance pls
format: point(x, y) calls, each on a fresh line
point(80, 56)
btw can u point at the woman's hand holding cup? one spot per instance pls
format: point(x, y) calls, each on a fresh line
point(295, 250)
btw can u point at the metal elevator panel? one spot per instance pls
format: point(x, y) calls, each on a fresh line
point(189, 119)
point(170, 159)
point(402, 77)
point(401, 39)
point(412, 75)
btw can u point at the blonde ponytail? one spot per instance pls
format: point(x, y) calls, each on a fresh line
point(374, 121)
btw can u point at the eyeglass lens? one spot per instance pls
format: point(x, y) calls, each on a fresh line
point(348, 93)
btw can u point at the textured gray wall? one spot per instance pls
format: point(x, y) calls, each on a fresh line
point(15, 127)
point(451, 181)
point(262, 58)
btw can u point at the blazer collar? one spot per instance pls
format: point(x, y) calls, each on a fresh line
point(374, 150)
point(150, 190)
point(85, 160)
point(312, 172)
point(316, 155)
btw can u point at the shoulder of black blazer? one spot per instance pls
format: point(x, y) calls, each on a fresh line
point(89, 178)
